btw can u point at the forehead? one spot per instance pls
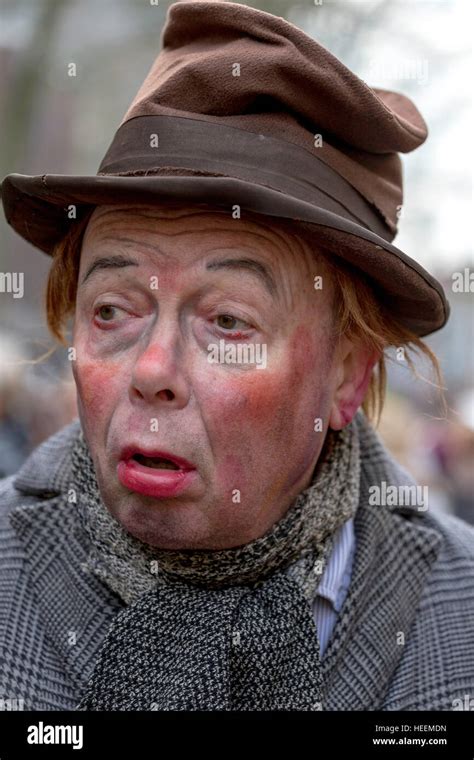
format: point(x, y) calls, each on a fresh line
point(188, 233)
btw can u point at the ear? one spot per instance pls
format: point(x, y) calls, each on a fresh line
point(354, 365)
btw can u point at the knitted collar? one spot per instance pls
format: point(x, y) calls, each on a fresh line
point(298, 543)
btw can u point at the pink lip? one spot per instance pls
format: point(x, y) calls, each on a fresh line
point(159, 484)
point(128, 451)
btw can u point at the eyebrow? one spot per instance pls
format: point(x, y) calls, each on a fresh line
point(249, 264)
point(109, 262)
point(118, 262)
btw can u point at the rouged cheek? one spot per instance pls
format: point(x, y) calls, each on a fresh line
point(291, 380)
point(309, 387)
point(261, 422)
point(236, 405)
point(98, 385)
point(238, 412)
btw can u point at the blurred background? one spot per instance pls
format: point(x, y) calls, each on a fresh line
point(55, 123)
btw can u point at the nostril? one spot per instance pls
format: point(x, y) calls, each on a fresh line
point(166, 394)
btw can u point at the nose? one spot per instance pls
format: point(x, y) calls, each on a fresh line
point(158, 375)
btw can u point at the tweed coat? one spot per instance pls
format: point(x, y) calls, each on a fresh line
point(404, 639)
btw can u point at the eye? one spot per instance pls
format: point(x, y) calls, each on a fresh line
point(108, 313)
point(228, 322)
point(105, 312)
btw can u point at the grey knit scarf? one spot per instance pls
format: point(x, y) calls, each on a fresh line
point(228, 629)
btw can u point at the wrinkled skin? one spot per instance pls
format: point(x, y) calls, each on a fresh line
point(142, 355)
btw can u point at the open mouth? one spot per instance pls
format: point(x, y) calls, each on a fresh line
point(158, 463)
point(158, 474)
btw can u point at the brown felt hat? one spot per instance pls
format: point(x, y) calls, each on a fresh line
point(242, 108)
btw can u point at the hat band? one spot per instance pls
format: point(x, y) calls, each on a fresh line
point(148, 144)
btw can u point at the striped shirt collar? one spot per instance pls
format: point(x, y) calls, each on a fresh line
point(336, 577)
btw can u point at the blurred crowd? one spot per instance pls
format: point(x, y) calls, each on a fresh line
point(36, 400)
point(437, 451)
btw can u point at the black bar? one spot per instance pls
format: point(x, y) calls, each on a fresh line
point(152, 734)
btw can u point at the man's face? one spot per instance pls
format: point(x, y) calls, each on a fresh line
point(165, 298)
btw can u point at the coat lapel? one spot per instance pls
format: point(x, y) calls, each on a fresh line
point(74, 606)
point(395, 552)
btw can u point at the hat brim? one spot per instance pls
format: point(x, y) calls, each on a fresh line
point(37, 209)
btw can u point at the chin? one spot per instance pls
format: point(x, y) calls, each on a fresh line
point(161, 525)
